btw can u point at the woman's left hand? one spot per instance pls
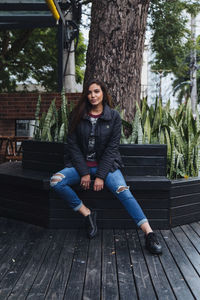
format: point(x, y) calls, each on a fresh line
point(98, 184)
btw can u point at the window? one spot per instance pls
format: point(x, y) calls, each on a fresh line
point(25, 127)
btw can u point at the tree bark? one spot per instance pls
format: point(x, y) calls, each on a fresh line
point(116, 44)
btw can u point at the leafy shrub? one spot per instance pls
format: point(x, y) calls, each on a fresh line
point(53, 124)
point(177, 128)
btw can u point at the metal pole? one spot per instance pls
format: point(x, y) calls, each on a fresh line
point(60, 55)
point(69, 80)
point(193, 66)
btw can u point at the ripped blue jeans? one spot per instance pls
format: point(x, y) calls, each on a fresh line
point(62, 181)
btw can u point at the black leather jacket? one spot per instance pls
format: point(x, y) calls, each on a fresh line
point(108, 132)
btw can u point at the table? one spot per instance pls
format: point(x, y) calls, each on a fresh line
point(11, 147)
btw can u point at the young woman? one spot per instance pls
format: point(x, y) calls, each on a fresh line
point(93, 142)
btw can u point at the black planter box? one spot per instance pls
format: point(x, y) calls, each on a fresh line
point(139, 160)
point(43, 156)
point(26, 194)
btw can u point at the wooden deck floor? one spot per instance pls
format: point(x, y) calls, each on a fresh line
point(37, 263)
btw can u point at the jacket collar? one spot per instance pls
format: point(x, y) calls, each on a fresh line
point(106, 115)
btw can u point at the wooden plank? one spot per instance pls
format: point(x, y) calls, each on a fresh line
point(161, 204)
point(185, 219)
point(92, 285)
point(192, 236)
point(26, 280)
point(65, 223)
point(35, 232)
point(155, 185)
point(142, 278)
point(47, 264)
point(109, 272)
point(157, 273)
point(23, 207)
point(17, 267)
point(109, 203)
point(180, 182)
point(42, 166)
point(15, 171)
point(144, 171)
point(188, 248)
point(149, 195)
point(76, 280)
point(143, 160)
point(173, 273)
point(137, 149)
point(25, 217)
point(186, 188)
point(12, 233)
point(46, 271)
point(8, 260)
point(196, 227)
point(187, 270)
point(109, 213)
point(28, 195)
point(4, 247)
point(185, 209)
point(43, 157)
point(12, 230)
point(60, 277)
point(21, 181)
point(127, 288)
point(36, 146)
point(185, 199)
point(155, 188)
point(158, 183)
point(15, 231)
point(105, 223)
point(145, 194)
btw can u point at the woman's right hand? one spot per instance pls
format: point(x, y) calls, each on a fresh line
point(85, 182)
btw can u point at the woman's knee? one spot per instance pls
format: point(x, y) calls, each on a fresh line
point(122, 188)
point(56, 178)
point(124, 194)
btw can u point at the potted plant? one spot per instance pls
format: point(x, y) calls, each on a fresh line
point(153, 127)
point(180, 131)
point(46, 150)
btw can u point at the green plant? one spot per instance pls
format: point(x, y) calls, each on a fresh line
point(52, 126)
point(158, 124)
point(177, 128)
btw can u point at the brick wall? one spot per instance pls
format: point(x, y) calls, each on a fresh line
point(22, 106)
point(7, 127)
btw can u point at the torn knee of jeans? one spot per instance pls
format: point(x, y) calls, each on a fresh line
point(121, 189)
point(56, 178)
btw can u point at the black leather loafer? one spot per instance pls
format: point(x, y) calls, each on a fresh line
point(152, 244)
point(91, 226)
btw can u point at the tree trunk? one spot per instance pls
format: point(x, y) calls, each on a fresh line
point(116, 43)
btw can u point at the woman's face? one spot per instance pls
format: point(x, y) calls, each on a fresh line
point(95, 94)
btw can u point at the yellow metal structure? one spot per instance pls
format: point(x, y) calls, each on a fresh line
point(53, 9)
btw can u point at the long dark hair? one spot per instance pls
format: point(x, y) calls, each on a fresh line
point(83, 106)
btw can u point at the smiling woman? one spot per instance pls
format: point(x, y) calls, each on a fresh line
point(95, 97)
point(93, 153)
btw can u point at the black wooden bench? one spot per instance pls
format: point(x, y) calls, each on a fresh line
point(26, 195)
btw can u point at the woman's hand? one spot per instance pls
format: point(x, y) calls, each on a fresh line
point(85, 182)
point(98, 184)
